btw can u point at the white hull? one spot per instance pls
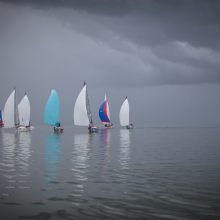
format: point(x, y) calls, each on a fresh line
point(24, 128)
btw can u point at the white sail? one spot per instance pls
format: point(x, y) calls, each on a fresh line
point(108, 111)
point(9, 111)
point(80, 115)
point(124, 113)
point(24, 111)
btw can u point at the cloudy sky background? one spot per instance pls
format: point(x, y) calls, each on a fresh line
point(164, 55)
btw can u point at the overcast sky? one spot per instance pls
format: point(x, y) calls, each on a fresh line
point(164, 55)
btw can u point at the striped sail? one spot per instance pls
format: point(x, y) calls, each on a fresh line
point(104, 112)
point(1, 118)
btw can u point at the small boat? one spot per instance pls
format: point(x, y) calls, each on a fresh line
point(124, 115)
point(1, 119)
point(82, 114)
point(52, 112)
point(24, 113)
point(104, 113)
point(10, 111)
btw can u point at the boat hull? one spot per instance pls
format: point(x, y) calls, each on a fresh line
point(58, 129)
point(25, 128)
point(130, 126)
point(93, 129)
point(110, 125)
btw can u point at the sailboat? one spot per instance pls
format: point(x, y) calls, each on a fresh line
point(104, 113)
point(1, 119)
point(52, 112)
point(124, 115)
point(10, 113)
point(24, 113)
point(82, 114)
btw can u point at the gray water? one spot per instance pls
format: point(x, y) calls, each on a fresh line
point(144, 173)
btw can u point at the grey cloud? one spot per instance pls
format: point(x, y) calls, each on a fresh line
point(138, 50)
point(150, 22)
point(62, 40)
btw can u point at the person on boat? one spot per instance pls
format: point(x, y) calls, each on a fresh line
point(130, 126)
point(109, 125)
point(92, 128)
point(57, 127)
point(28, 126)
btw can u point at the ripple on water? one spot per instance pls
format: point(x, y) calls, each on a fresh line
point(12, 203)
point(38, 203)
point(40, 216)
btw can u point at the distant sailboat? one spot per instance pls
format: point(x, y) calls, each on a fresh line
point(82, 114)
point(10, 114)
point(124, 115)
point(52, 112)
point(1, 119)
point(24, 113)
point(104, 113)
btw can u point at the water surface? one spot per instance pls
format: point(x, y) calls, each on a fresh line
point(144, 173)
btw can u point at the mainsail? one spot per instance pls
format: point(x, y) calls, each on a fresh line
point(124, 113)
point(1, 118)
point(24, 111)
point(82, 114)
point(9, 116)
point(52, 109)
point(104, 112)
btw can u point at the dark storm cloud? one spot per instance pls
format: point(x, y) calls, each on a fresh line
point(152, 21)
point(133, 43)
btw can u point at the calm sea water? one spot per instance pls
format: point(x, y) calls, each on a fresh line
point(144, 173)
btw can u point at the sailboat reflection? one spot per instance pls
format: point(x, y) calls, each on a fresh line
point(8, 160)
point(80, 156)
point(52, 142)
point(24, 151)
point(104, 136)
point(124, 154)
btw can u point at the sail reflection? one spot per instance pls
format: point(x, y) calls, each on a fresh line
point(24, 152)
point(104, 137)
point(124, 154)
point(15, 158)
point(80, 156)
point(52, 142)
point(8, 159)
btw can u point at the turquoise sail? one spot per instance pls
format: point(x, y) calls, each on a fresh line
point(52, 109)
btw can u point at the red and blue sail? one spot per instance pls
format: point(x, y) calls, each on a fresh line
point(1, 120)
point(104, 112)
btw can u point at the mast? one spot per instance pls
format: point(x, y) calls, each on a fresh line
point(16, 117)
